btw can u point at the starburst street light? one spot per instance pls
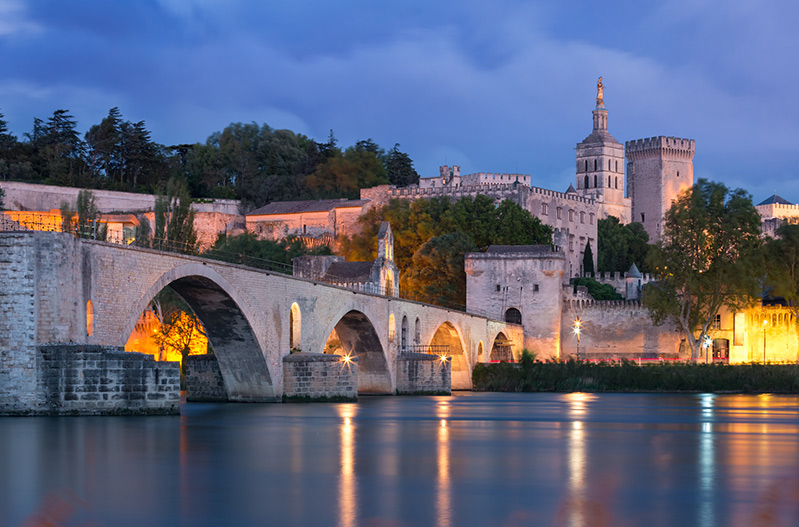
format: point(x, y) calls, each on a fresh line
point(577, 330)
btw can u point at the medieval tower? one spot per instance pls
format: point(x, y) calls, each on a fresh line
point(658, 168)
point(600, 166)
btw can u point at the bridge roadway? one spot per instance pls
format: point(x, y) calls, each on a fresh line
point(63, 289)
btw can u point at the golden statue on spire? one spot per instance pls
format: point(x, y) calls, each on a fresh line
point(600, 88)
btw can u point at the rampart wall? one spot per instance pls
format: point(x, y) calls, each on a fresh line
point(615, 329)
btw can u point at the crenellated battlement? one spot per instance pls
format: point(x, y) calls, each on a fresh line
point(578, 306)
point(458, 191)
point(658, 146)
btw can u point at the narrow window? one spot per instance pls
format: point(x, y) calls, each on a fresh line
point(595, 182)
point(417, 335)
point(678, 173)
point(591, 218)
point(582, 217)
point(560, 213)
point(608, 164)
point(594, 165)
point(608, 181)
point(571, 215)
point(392, 327)
point(586, 183)
point(643, 218)
point(617, 165)
point(586, 166)
point(498, 288)
point(304, 229)
point(535, 288)
point(544, 210)
point(717, 321)
point(617, 181)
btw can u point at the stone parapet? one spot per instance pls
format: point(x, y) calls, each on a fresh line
point(423, 374)
point(319, 377)
point(204, 382)
point(657, 146)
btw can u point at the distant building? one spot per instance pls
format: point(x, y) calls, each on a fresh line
point(317, 222)
point(775, 211)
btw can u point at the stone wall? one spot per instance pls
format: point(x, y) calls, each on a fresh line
point(17, 322)
point(420, 373)
point(29, 196)
point(96, 380)
point(319, 377)
point(615, 329)
point(204, 379)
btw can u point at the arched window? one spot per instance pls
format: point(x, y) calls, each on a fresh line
point(617, 181)
point(608, 164)
point(513, 316)
point(89, 318)
point(586, 166)
point(594, 165)
point(591, 218)
point(608, 181)
point(392, 327)
point(582, 217)
point(295, 322)
point(544, 209)
point(586, 182)
point(389, 283)
point(617, 165)
point(417, 334)
point(404, 334)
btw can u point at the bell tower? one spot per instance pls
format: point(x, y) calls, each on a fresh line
point(600, 165)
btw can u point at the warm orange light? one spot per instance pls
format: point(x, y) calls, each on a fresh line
point(346, 359)
point(443, 358)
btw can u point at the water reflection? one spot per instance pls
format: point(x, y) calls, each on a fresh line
point(347, 489)
point(707, 463)
point(443, 488)
point(478, 459)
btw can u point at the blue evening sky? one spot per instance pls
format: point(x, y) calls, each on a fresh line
point(499, 86)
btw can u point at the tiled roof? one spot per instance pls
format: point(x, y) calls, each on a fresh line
point(775, 200)
point(296, 207)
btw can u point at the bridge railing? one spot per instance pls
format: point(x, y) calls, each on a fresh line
point(427, 349)
point(94, 230)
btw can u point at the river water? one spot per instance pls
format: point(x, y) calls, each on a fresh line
point(471, 459)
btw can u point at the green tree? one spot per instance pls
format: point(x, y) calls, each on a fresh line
point(620, 246)
point(399, 168)
point(249, 250)
point(596, 290)
point(174, 219)
point(588, 259)
point(709, 258)
point(437, 275)
point(418, 222)
point(782, 264)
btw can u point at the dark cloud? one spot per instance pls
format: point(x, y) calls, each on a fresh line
point(506, 86)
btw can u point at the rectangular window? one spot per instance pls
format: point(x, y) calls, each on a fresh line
point(498, 288)
point(544, 210)
point(560, 213)
point(717, 321)
point(535, 288)
point(571, 215)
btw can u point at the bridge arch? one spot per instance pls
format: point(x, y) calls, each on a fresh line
point(355, 335)
point(501, 349)
point(447, 335)
point(228, 322)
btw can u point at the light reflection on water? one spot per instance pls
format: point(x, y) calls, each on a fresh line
point(476, 459)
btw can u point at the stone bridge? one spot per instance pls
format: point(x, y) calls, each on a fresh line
point(58, 289)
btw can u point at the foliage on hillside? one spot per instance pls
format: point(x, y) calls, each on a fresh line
point(432, 235)
point(596, 290)
point(620, 246)
point(627, 376)
point(247, 249)
point(254, 163)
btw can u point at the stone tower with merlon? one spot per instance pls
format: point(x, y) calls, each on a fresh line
point(658, 169)
point(600, 166)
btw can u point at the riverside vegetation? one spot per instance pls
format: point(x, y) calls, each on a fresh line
point(531, 375)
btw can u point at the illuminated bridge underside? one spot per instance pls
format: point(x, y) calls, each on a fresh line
point(247, 313)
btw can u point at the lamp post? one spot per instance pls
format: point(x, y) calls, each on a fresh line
point(765, 324)
point(577, 332)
